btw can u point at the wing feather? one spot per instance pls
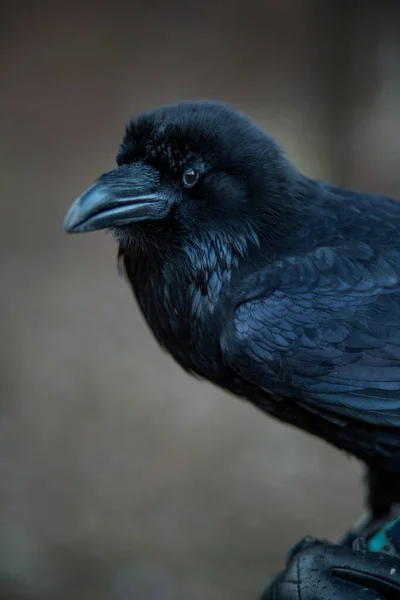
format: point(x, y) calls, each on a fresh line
point(326, 331)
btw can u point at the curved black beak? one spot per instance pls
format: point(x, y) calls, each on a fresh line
point(128, 194)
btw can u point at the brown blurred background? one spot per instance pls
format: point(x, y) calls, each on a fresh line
point(120, 477)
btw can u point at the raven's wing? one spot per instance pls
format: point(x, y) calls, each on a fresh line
point(324, 328)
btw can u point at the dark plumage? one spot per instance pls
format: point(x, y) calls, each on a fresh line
point(279, 288)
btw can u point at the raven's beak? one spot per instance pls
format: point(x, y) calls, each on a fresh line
point(128, 194)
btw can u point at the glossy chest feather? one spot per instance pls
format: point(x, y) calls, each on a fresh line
point(183, 298)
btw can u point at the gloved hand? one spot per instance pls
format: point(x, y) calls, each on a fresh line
point(319, 570)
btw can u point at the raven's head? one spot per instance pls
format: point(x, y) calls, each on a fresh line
point(192, 164)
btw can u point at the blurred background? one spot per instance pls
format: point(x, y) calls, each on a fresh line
point(121, 477)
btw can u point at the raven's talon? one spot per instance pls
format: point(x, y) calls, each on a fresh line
point(360, 544)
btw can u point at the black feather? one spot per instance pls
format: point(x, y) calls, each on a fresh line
point(281, 289)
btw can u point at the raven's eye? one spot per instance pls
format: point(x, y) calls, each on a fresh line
point(190, 177)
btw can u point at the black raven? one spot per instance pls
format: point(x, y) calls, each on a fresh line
point(279, 288)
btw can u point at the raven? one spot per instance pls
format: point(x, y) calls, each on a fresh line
point(279, 288)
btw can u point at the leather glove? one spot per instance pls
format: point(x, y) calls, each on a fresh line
point(319, 570)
